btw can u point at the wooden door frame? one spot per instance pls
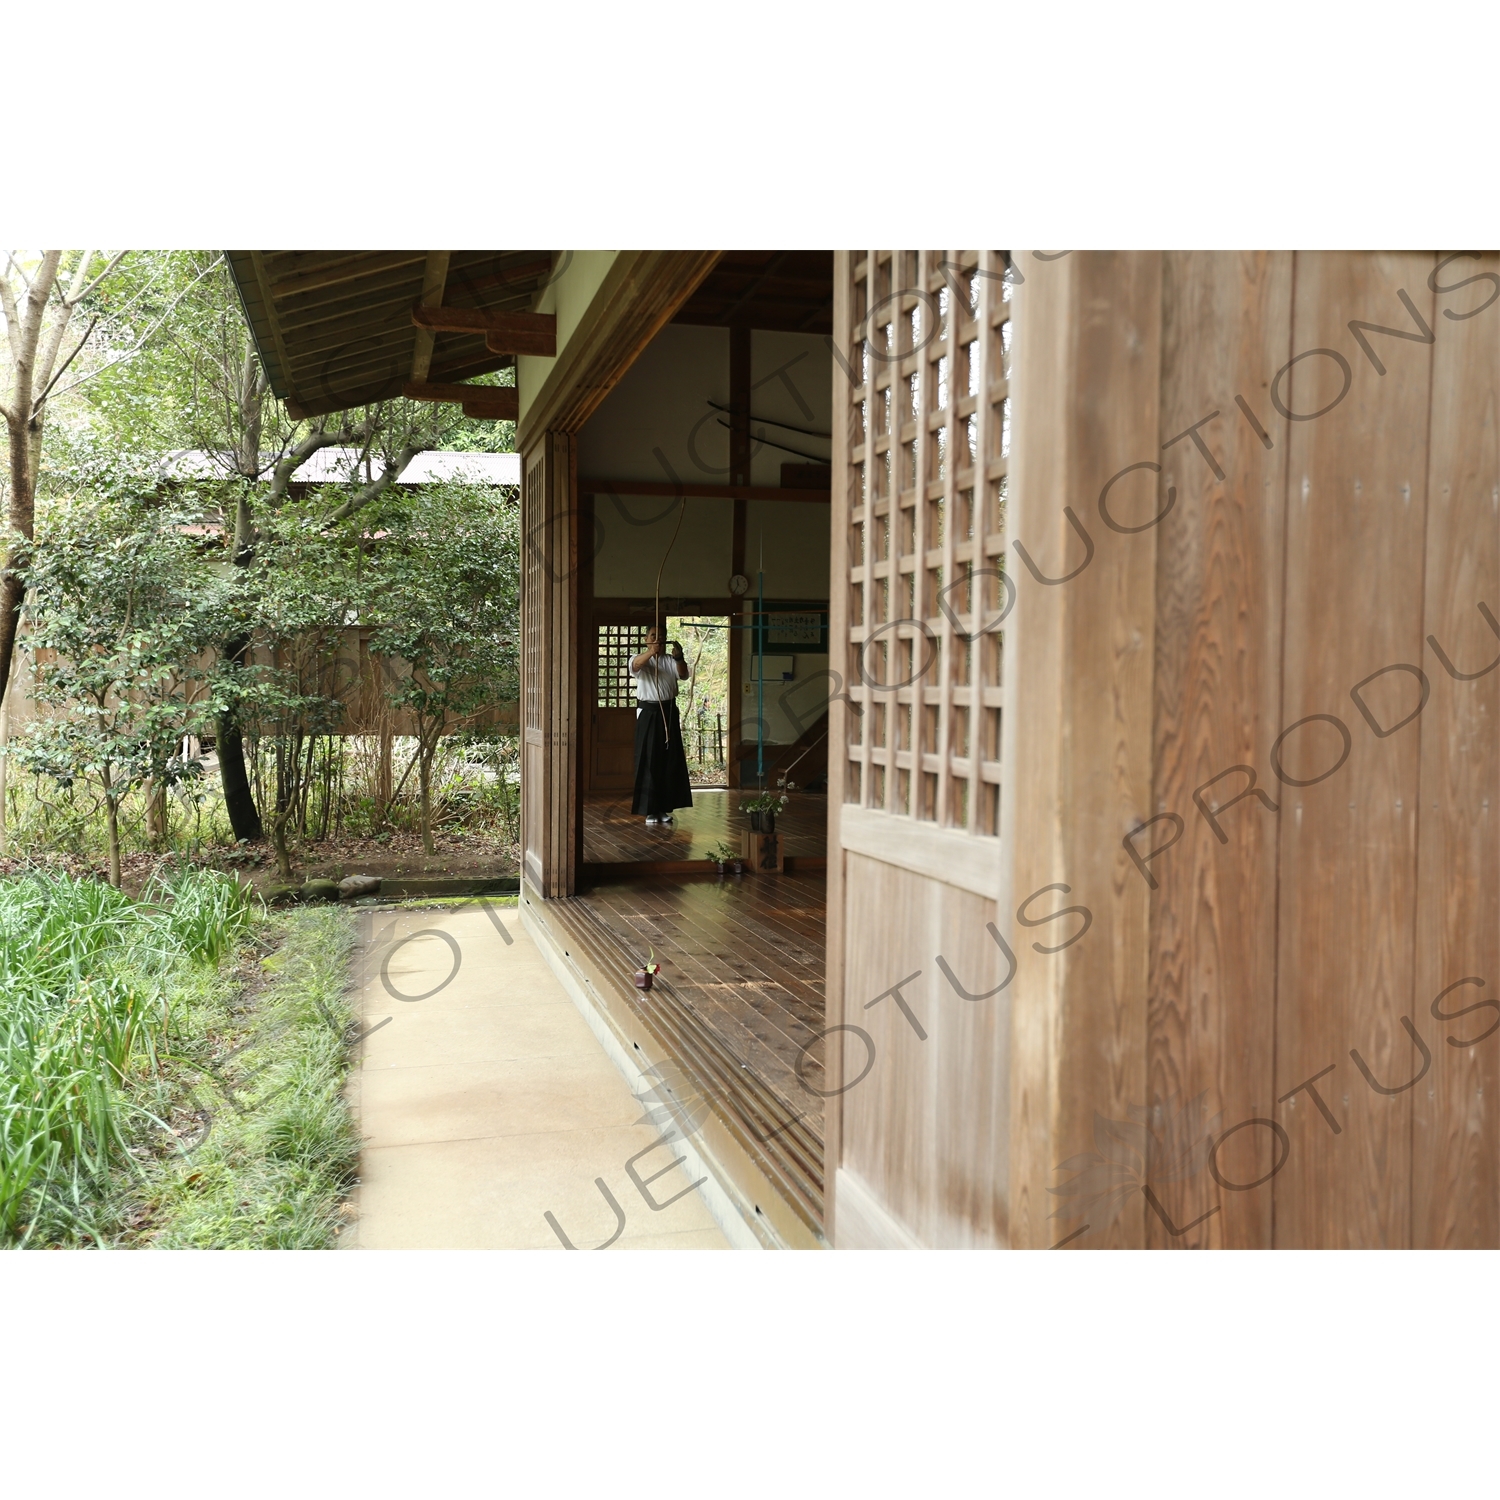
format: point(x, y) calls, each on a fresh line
point(638, 297)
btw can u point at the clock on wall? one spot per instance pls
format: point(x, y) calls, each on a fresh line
point(738, 585)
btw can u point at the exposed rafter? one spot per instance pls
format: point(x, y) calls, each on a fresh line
point(434, 278)
point(493, 402)
point(505, 332)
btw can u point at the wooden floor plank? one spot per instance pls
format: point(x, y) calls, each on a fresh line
point(612, 834)
point(740, 991)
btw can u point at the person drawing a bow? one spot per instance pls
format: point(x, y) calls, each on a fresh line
point(662, 783)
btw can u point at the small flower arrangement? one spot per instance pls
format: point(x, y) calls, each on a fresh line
point(766, 802)
point(647, 972)
point(723, 854)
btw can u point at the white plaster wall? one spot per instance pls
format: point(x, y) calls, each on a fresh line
point(806, 696)
point(632, 535)
point(790, 381)
point(793, 537)
point(572, 288)
point(661, 402)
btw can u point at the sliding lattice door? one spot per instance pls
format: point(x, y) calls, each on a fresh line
point(922, 426)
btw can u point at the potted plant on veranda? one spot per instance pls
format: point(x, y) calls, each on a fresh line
point(763, 809)
point(647, 972)
point(727, 857)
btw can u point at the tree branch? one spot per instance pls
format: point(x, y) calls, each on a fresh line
point(51, 341)
point(73, 299)
point(140, 342)
point(314, 442)
point(394, 469)
point(36, 401)
point(11, 311)
point(15, 265)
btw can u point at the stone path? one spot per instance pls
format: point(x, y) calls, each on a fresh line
point(489, 1104)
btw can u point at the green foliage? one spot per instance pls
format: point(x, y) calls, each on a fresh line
point(703, 700)
point(122, 609)
point(86, 988)
point(443, 598)
point(145, 1097)
point(149, 633)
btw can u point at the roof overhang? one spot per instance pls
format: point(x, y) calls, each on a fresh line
point(335, 328)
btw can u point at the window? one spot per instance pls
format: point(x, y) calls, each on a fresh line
point(617, 644)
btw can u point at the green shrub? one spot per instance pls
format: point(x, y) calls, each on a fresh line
point(121, 1022)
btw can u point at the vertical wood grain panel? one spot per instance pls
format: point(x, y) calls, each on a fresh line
point(1226, 330)
point(1356, 499)
point(845, 410)
point(1079, 712)
point(1455, 1168)
point(919, 1129)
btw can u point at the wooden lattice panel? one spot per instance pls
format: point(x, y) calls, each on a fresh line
point(617, 644)
point(929, 446)
point(534, 519)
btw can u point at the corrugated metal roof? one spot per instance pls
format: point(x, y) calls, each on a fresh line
point(333, 466)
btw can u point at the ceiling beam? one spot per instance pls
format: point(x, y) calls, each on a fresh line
point(434, 278)
point(341, 397)
point(527, 270)
point(505, 333)
point(497, 402)
point(623, 487)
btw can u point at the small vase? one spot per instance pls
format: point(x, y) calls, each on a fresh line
point(738, 866)
point(642, 979)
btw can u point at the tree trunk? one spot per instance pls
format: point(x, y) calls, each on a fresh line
point(283, 851)
point(424, 773)
point(112, 821)
point(239, 800)
point(12, 595)
point(285, 805)
point(156, 813)
point(383, 776)
point(4, 773)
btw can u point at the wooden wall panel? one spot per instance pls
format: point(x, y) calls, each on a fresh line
point(845, 409)
point(1302, 555)
point(1226, 326)
point(1455, 1168)
point(1357, 507)
point(550, 811)
point(1079, 689)
point(925, 1129)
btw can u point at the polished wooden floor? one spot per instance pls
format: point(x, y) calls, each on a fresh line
point(613, 835)
point(740, 998)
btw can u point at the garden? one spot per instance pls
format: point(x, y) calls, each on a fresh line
point(241, 660)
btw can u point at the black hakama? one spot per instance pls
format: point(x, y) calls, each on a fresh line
point(661, 773)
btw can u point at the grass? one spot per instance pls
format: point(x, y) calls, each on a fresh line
point(171, 1069)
